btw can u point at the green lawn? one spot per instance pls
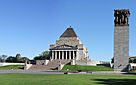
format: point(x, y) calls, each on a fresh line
point(86, 68)
point(9, 67)
point(63, 79)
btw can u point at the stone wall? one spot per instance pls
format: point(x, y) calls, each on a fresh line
point(68, 41)
point(5, 64)
point(42, 62)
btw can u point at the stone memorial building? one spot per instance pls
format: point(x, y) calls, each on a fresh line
point(68, 47)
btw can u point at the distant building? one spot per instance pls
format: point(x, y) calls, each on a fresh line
point(68, 47)
point(68, 50)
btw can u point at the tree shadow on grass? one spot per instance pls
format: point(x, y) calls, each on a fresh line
point(116, 81)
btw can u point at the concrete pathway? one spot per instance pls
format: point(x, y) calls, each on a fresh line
point(55, 72)
point(29, 72)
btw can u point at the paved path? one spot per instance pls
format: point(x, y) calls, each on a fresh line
point(29, 72)
point(109, 72)
point(53, 72)
point(101, 72)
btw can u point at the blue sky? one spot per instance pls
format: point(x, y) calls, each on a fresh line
point(28, 27)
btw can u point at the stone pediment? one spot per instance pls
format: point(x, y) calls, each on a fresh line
point(64, 47)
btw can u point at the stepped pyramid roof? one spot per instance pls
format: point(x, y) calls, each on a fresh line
point(69, 33)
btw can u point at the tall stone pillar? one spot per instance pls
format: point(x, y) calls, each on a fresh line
point(121, 40)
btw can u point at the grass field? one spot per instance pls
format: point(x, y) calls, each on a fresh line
point(44, 79)
point(9, 67)
point(86, 68)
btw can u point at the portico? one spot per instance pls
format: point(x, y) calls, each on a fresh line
point(63, 54)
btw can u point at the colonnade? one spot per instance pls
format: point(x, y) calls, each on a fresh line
point(63, 55)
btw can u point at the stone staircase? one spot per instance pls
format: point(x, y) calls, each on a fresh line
point(52, 65)
point(39, 67)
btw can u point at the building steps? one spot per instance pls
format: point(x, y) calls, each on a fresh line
point(52, 65)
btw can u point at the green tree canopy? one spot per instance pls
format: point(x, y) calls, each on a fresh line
point(3, 58)
point(17, 59)
point(44, 55)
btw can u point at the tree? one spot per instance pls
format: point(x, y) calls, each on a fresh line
point(3, 58)
point(11, 59)
point(112, 60)
point(37, 58)
point(44, 55)
point(132, 59)
point(23, 59)
point(17, 59)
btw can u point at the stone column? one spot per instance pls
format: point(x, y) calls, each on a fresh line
point(73, 54)
point(76, 57)
point(69, 54)
point(66, 55)
point(55, 54)
point(62, 55)
point(52, 56)
point(59, 54)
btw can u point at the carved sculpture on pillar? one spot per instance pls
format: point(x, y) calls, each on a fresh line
point(121, 40)
point(121, 17)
